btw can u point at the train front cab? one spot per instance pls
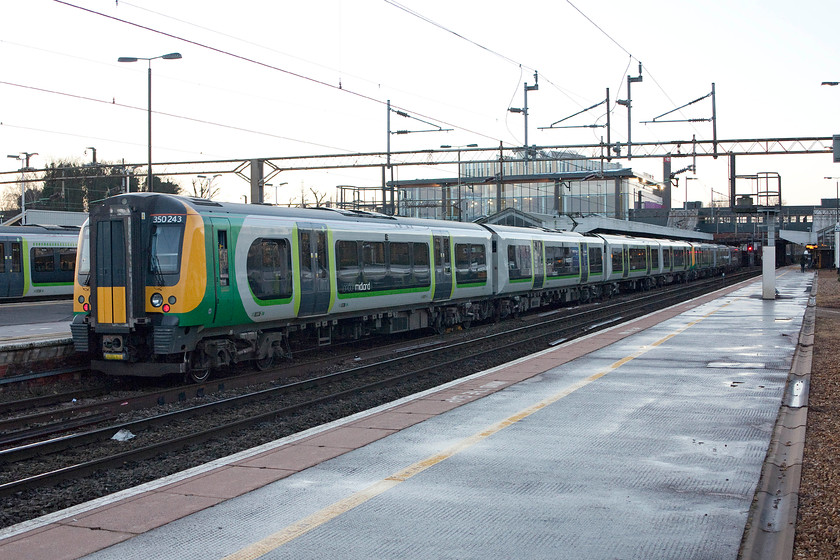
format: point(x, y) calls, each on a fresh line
point(131, 297)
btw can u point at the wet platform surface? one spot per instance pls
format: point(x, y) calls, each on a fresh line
point(643, 441)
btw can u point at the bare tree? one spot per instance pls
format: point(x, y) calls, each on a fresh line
point(203, 187)
point(319, 197)
point(304, 201)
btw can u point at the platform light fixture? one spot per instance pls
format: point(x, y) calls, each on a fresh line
point(168, 56)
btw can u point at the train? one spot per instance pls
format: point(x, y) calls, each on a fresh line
point(177, 285)
point(37, 262)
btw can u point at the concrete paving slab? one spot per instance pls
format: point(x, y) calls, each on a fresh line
point(649, 448)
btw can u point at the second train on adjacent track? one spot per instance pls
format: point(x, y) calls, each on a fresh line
point(166, 284)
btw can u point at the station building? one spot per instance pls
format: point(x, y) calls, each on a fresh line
point(548, 182)
point(564, 190)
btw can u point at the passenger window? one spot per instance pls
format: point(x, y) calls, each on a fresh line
point(2, 258)
point(617, 261)
point(519, 261)
point(224, 273)
point(15, 257)
point(347, 256)
point(638, 259)
point(422, 273)
point(321, 255)
point(564, 260)
point(269, 268)
point(305, 256)
point(67, 259)
point(596, 262)
point(470, 263)
point(373, 263)
point(399, 264)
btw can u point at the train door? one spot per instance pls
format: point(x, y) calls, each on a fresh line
point(648, 256)
point(221, 269)
point(539, 265)
point(625, 257)
point(443, 268)
point(11, 271)
point(110, 243)
point(584, 263)
point(314, 270)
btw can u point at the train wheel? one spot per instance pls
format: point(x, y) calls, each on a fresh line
point(438, 324)
point(585, 295)
point(199, 375)
point(264, 363)
point(198, 372)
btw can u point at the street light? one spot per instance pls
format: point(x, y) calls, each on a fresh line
point(524, 112)
point(24, 157)
point(687, 179)
point(460, 219)
point(277, 186)
point(169, 56)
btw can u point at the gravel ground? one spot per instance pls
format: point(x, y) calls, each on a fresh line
point(818, 523)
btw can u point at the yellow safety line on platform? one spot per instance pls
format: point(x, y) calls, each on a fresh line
point(330, 512)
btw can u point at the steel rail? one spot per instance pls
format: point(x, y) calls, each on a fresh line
point(634, 308)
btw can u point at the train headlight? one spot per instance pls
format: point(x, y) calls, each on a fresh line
point(156, 300)
point(81, 299)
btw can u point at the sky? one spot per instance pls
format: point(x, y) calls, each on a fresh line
point(289, 78)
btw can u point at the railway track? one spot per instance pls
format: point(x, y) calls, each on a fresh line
point(34, 467)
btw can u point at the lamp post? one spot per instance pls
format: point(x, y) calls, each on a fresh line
point(277, 186)
point(460, 218)
point(687, 179)
point(524, 112)
point(24, 157)
point(169, 56)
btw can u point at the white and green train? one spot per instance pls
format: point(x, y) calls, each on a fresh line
point(36, 262)
point(167, 284)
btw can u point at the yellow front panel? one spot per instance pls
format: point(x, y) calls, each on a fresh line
point(119, 304)
point(111, 306)
point(104, 309)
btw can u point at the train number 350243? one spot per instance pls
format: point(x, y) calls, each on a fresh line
point(167, 218)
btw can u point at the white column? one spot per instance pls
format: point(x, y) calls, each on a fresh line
point(768, 272)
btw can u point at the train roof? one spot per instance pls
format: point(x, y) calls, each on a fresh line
point(22, 230)
point(204, 206)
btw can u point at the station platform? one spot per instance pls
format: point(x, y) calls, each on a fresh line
point(645, 440)
point(31, 332)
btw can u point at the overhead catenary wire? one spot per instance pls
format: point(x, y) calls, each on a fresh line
point(263, 64)
point(344, 89)
point(171, 115)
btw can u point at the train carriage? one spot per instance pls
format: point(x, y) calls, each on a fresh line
point(538, 267)
point(36, 261)
point(675, 259)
